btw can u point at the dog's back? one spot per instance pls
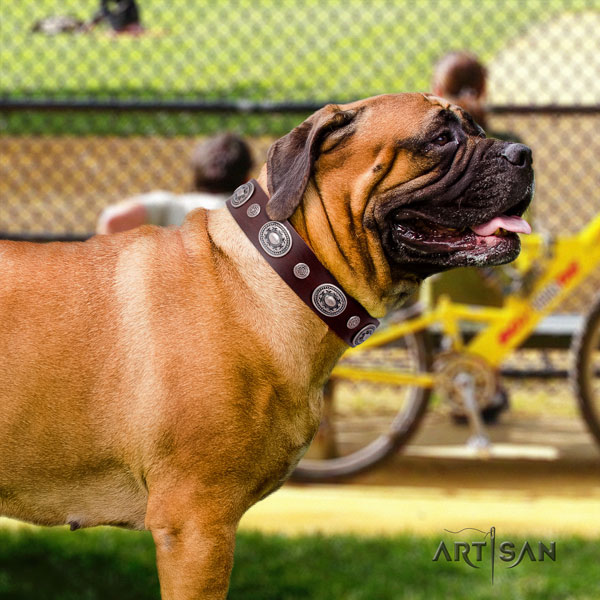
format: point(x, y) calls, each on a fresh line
point(76, 331)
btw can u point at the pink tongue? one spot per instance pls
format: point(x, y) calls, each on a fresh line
point(515, 224)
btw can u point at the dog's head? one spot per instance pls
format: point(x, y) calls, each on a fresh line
point(394, 188)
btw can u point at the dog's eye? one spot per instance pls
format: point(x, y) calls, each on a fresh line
point(442, 139)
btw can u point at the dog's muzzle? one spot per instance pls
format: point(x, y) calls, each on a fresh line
point(470, 216)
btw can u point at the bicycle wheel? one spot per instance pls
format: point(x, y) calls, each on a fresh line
point(585, 371)
point(363, 422)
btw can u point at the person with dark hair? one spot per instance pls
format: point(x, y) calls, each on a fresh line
point(461, 78)
point(220, 164)
point(123, 16)
point(458, 73)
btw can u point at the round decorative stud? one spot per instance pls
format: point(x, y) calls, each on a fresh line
point(329, 300)
point(275, 239)
point(301, 271)
point(242, 194)
point(364, 334)
point(253, 210)
point(353, 322)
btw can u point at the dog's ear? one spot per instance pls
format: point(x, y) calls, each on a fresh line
point(291, 158)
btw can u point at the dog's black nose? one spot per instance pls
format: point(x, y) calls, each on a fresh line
point(518, 155)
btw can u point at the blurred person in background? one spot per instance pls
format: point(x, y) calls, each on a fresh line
point(220, 164)
point(123, 16)
point(461, 77)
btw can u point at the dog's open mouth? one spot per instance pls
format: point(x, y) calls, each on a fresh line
point(426, 237)
point(471, 214)
point(431, 247)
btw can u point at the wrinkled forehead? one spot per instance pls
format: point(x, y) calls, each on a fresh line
point(406, 115)
point(448, 114)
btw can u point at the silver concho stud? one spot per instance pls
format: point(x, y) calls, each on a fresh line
point(301, 271)
point(275, 239)
point(329, 300)
point(364, 334)
point(253, 210)
point(242, 194)
point(353, 322)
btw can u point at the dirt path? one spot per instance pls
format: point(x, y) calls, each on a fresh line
point(427, 510)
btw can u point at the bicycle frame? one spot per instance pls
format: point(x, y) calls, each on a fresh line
point(556, 268)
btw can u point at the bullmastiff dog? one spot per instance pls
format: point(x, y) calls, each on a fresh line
point(168, 379)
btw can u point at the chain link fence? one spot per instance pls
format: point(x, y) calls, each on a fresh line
point(90, 114)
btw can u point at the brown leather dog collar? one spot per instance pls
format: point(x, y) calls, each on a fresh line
point(289, 255)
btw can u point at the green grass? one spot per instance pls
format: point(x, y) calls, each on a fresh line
point(265, 49)
point(253, 50)
point(108, 563)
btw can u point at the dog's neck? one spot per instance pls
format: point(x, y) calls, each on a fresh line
point(300, 340)
point(367, 280)
point(288, 254)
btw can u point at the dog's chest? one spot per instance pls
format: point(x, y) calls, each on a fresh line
point(282, 472)
point(295, 439)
